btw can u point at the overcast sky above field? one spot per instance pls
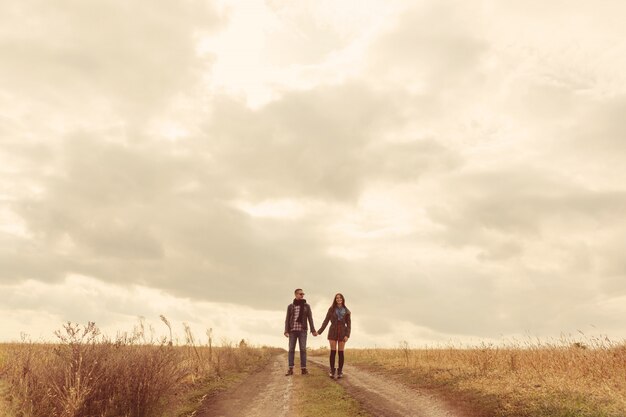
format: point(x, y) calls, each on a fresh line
point(456, 168)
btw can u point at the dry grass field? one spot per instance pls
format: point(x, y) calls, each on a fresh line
point(86, 374)
point(134, 375)
point(534, 378)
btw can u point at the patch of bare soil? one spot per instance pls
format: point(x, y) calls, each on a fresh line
point(383, 397)
point(267, 393)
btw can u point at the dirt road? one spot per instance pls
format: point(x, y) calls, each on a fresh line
point(265, 394)
point(270, 394)
point(385, 398)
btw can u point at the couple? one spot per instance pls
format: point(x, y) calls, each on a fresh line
point(299, 312)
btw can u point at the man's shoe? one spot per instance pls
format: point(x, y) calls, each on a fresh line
point(305, 371)
point(289, 372)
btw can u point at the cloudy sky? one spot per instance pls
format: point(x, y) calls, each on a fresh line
point(456, 168)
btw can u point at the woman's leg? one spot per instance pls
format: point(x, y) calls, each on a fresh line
point(333, 351)
point(341, 357)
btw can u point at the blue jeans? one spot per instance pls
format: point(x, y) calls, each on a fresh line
point(301, 338)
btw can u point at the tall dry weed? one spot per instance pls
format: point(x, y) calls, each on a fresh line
point(86, 375)
point(134, 375)
point(564, 377)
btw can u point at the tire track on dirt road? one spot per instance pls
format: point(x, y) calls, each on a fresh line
point(383, 397)
point(267, 393)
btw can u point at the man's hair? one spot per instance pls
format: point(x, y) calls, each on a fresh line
point(296, 290)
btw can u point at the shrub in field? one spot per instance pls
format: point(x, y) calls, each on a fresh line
point(86, 374)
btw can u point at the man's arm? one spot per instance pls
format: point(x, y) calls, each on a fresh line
point(310, 318)
point(287, 321)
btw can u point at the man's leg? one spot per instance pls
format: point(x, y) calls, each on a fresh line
point(302, 345)
point(292, 348)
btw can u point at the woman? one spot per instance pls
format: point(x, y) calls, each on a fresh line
point(339, 332)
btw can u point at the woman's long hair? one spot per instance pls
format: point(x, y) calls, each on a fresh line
point(334, 304)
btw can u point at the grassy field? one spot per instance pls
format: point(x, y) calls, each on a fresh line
point(535, 378)
point(133, 375)
point(87, 374)
point(320, 396)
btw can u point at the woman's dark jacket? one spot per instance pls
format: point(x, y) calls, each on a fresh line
point(338, 328)
point(308, 315)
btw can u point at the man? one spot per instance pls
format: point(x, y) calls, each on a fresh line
point(298, 314)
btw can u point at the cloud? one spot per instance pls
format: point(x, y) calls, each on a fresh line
point(144, 213)
point(77, 58)
point(521, 202)
point(117, 309)
point(432, 47)
point(323, 143)
point(452, 177)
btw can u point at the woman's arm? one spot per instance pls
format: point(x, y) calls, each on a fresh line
point(325, 323)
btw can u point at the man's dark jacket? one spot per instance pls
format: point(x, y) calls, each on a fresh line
point(307, 312)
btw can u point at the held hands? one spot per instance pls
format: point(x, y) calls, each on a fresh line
point(287, 334)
